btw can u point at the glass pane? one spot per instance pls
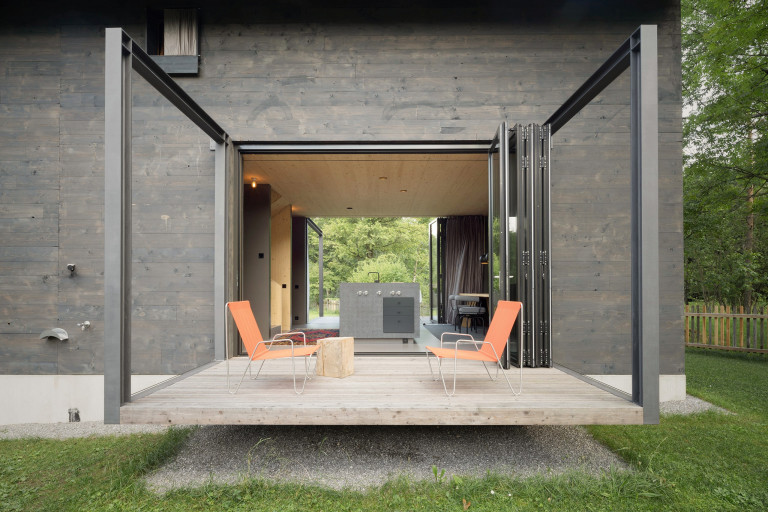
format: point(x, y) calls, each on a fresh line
point(313, 259)
point(494, 256)
point(433, 263)
point(512, 256)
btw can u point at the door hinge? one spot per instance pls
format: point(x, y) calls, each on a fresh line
point(526, 328)
point(525, 162)
point(526, 257)
point(544, 328)
point(544, 258)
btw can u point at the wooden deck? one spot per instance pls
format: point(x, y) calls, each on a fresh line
point(382, 391)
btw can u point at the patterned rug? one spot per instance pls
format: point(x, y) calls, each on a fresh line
point(312, 335)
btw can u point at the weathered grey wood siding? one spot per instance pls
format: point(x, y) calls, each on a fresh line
point(348, 79)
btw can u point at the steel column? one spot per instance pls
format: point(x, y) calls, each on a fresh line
point(645, 222)
point(121, 56)
point(639, 54)
point(220, 249)
point(321, 292)
point(117, 223)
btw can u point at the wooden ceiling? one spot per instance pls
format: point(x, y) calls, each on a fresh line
point(374, 185)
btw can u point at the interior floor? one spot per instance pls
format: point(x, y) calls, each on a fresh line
point(396, 346)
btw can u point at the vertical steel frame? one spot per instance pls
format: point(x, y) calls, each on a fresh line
point(645, 221)
point(122, 56)
point(526, 241)
point(223, 157)
point(117, 224)
point(442, 222)
point(539, 245)
point(543, 247)
point(321, 293)
point(639, 54)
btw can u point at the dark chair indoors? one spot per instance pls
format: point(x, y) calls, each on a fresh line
point(469, 309)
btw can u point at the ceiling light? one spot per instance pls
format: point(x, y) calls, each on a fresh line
point(382, 178)
point(253, 182)
point(403, 190)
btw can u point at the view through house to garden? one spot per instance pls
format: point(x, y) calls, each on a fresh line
point(358, 250)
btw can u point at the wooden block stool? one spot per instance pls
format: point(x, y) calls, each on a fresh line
point(336, 357)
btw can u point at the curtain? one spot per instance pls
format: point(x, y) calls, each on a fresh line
point(180, 32)
point(465, 243)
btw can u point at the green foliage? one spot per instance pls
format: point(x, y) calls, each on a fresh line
point(725, 93)
point(80, 474)
point(710, 460)
point(397, 248)
point(390, 267)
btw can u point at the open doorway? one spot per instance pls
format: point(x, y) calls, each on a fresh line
point(321, 184)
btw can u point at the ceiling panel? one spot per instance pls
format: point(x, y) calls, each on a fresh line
point(375, 185)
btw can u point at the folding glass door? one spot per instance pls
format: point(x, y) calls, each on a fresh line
point(518, 235)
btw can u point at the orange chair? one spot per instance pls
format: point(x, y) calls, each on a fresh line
point(260, 350)
point(488, 351)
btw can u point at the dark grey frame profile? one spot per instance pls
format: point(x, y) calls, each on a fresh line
point(321, 293)
point(522, 194)
point(122, 55)
point(639, 55)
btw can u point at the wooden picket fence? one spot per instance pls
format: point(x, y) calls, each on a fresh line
point(331, 305)
point(726, 328)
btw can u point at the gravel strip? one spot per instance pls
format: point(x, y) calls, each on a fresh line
point(74, 429)
point(361, 457)
point(690, 405)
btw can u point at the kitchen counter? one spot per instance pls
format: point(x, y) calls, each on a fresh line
point(379, 310)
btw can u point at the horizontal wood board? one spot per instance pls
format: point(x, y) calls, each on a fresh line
point(382, 391)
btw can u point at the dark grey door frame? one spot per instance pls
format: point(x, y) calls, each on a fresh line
point(321, 293)
point(122, 56)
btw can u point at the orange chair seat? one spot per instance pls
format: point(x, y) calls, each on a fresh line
point(277, 353)
point(472, 355)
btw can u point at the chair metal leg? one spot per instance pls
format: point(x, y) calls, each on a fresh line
point(306, 373)
point(242, 377)
point(431, 371)
point(498, 363)
point(258, 372)
point(455, 362)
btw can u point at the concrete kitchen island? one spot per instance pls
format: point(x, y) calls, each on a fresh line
point(379, 310)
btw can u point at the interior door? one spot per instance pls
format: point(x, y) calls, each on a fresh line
point(518, 234)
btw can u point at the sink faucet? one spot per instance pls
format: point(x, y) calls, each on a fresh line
point(377, 276)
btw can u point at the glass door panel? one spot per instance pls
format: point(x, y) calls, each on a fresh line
point(518, 235)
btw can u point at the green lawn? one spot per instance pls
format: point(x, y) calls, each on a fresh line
point(703, 462)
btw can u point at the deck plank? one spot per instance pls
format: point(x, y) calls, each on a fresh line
point(382, 391)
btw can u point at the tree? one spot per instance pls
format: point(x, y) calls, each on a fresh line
point(725, 93)
point(397, 248)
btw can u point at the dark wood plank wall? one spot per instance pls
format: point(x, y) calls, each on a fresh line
point(307, 81)
point(173, 214)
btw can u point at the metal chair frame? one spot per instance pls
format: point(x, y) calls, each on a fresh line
point(468, 339)
point(477, 344)
point(269, 344)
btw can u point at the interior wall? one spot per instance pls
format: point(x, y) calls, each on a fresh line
point(299, 277)
point(256, 253)
point(281, 268)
